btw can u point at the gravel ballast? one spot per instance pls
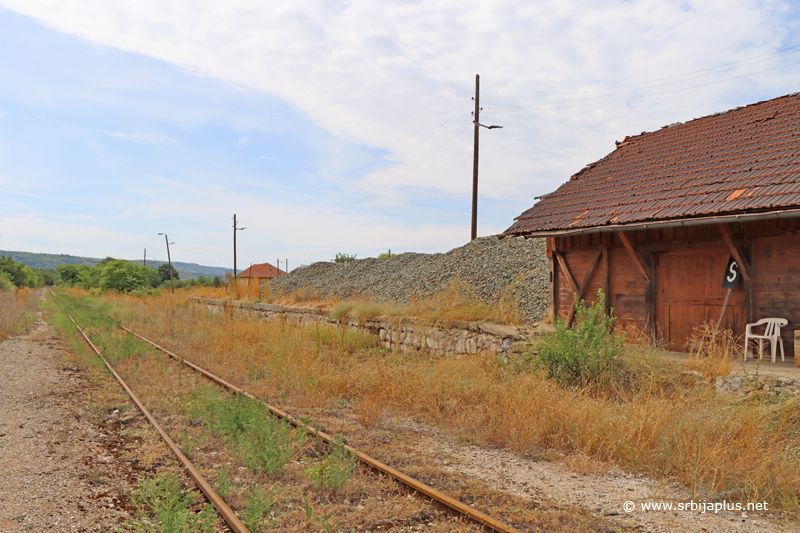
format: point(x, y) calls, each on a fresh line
point(487, 265)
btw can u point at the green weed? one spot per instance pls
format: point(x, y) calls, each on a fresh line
point(585, 353)
point(164, 506)
point(333, 470)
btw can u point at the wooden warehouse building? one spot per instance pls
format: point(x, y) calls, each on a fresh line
point(656, 223)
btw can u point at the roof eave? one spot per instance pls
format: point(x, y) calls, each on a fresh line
point(750, 217)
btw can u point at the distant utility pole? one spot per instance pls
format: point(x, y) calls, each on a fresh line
point(478, 125)
point(235, 229)
point(145, 257)
point(169, 260)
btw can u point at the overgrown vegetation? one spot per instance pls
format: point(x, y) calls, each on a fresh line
point(646, 420)
point(260, 441)
point(714, 350)
point(343, 258)
point(14, 275)
point(15, 311)
point(586, 353)
point(164, 506)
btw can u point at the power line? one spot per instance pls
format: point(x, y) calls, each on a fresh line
point(549, 106)
point(441, 145)
point(776, 54)
point(386, 171)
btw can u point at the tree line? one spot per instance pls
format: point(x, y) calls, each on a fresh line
point(109, 274)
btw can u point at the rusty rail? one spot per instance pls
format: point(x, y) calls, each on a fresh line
point(371, 462)
point(224, 510)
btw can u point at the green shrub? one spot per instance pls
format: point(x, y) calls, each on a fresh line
point(5, 282)
point(344, 258)
point(162, 505)
point(587, 352)
point(258, 439)
point(335, 469)
point(124, 276)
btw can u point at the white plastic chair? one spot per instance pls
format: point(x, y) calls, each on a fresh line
point(772, 333)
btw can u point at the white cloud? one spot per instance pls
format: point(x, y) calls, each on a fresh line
point(387, 73)
point(241, 142)
point(145, 137)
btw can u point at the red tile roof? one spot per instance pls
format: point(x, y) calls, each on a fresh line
point(745, 159)
point(263, 270)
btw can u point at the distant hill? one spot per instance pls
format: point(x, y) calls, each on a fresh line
point(51, 261)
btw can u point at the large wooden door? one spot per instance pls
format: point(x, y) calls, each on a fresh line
point(689, 292)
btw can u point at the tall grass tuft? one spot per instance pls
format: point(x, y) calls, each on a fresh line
point(714, 350)
point(14, 308)
point(457, 301)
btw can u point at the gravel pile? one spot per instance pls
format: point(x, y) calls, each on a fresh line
point(487, 265)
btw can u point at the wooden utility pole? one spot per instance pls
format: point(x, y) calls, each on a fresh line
point(235, 229)
point(476, 121)
point(475, 151)
point(169, 260)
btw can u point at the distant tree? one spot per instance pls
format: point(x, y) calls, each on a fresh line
point(344, 258)
point(88, 277)
point(48, 277)
point(67, 274)
point(163, 271)
point(105, 261)
point(16, 271)
point(124, 276)
point(5, 282)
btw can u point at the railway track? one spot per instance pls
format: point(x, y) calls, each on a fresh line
point(227, 514)
point(453, 506)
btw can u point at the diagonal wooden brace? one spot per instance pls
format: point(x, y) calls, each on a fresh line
point(581, 292)
point(637, 257)
point(736, 250)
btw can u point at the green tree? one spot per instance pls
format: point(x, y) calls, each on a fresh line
point(16, 271)
point(5, 282)
point(163, 272)
point(124, 276)
point(67, 274)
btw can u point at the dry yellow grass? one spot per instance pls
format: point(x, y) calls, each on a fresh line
point(13, 308)
point(716, 446)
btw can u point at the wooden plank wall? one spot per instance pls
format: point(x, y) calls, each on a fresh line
point(773, 248)
point(626, 285)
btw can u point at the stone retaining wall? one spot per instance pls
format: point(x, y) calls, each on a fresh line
point(395, 333)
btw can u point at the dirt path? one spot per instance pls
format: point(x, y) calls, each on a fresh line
point(67, 458)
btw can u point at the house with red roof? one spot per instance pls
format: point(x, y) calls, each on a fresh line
point(260, 272)
point(695, 222)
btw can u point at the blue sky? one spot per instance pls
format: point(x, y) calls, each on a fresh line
point(330, 127)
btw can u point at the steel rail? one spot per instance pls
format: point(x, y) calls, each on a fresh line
point(410, 482)
point(224, 510)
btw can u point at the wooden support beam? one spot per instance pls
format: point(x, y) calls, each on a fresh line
point(606, 280)
point(553, 292)
point(581, 293)
point(567, 272)
point(736, 251)
point(637, 257)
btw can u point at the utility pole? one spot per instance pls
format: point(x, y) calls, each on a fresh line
point(235, 229)
point(169, 260)
point(476, 121)
point(145, 257)
point(478, 125)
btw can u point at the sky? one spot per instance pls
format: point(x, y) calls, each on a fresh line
point(334, 127)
